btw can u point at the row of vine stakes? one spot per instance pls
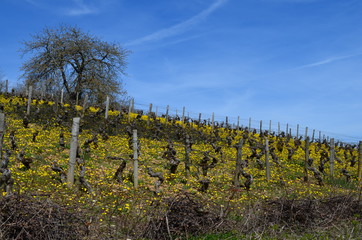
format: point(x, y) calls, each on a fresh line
point(75, 132)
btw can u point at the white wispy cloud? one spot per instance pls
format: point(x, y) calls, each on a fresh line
point(179, 28)
point(33, 2)
point(69, 7)
point(81, 9)
point(326, 61)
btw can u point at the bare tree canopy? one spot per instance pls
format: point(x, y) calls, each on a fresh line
point(65, 57)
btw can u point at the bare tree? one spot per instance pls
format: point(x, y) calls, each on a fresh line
point(66, 57)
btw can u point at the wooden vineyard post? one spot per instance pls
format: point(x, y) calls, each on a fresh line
point(167, 109)
point(130, 110)
point(213, 121)
point(73, 151)
point(84, 104)
point(331, 158)
point(156, 113)
point(135, 159)
point(249, 124)
point(199, 119)
point(238, 123)
point(29, 100)
point(297, 130)
point(306, 133)
point(313, 133)
point(107, 108)
point(183, 115)
point(261, 126)
point(6, 86)
point(2, 133)
point(239, 163)
point(306, 159)
point(270, 126)
point(278, 128)
point(62, 96)
point(267, 163)
point(149, 114)
point(287, 130)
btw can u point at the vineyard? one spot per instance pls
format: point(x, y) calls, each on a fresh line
point(161, 177)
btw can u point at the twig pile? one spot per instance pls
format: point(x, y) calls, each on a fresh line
point(299, 214)
point(25, 217)
point(185, 216)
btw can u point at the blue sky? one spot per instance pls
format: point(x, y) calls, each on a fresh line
point(289, 61)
